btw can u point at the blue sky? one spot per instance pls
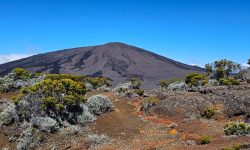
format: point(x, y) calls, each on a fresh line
point(190, 31)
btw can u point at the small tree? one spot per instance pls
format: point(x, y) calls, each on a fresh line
point(209, 69)
point(222, 68)
point(248, 62)
point(136, 82)
point(163, 83)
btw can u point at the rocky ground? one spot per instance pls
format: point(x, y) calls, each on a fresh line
point(176, 122)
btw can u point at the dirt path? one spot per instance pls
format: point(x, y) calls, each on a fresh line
point(120, 123)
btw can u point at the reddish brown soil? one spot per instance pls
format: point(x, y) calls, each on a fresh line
point(4, 143)
point(131, 130)
point(8, 96)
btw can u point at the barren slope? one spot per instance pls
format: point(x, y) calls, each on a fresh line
point(117, 61)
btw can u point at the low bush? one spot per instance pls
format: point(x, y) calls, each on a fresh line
point(228, 81)
point(17, 79)
point(85, 117)
point(195, 79)
point(98, 81)
point(46, 124)
point(8, 115)
point(237, 128)
point(58, 98)
point(206, 139)
point(148, 103)
point(177, 86)
point(65, 76)
point(29, 139)
point(152, 100)
point(21, 73)
point(139, 92)
point(234, 147)
point(99, 104)
point(124, 87)
point(209, 112)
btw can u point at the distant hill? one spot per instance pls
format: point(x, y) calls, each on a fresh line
point(115, 60)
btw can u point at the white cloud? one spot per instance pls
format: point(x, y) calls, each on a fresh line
point(244, 66)
point(198, 65)
point(11, 57)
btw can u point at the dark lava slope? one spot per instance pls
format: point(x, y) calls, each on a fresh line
point(115, 60)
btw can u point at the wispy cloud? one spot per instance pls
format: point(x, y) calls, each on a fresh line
point(11, 57)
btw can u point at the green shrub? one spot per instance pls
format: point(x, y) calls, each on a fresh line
point(235, 147)
point(237, 128)
point(139, 92)
point(148, 103)
point(209, 113)
point(122, 90)
point(98, 81)
point(151, 100)
point(21, 73)
point(206, 139)
point(65, 76)
point(195, 79)
point(55, 94)
point(224, 81)
point(233, 81)
point(229, 81)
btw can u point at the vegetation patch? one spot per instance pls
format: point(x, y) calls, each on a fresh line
point(136, 83)
point(17, 79)
point(139, 92)
point(208, 112)
point(229, 81)
point(195, 79)
point(222, 68)
point(98, 81)
point(237, 128)
point(206, 139)
point(148, 103)
point(234, 147)
point(165, 83)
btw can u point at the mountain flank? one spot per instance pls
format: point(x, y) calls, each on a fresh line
point(117, 61)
